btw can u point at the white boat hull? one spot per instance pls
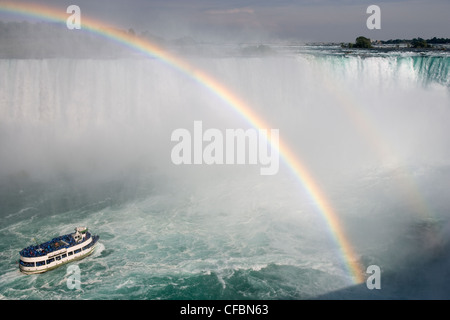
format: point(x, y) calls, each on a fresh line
point(41, 264)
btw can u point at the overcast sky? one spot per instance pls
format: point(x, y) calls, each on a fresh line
point(304, 20)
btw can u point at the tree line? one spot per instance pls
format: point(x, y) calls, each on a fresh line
point(363, 42)
point(433, 40)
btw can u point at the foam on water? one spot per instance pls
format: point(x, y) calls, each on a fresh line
point(144, 250)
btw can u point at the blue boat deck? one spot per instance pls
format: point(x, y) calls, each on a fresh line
point(65, 241)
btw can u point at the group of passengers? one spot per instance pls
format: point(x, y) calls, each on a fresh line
point(43, 249)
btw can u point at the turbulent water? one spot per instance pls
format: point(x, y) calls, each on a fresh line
point(88, 142)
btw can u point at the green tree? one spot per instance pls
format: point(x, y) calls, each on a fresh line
point(419, 43)
point(362, 42)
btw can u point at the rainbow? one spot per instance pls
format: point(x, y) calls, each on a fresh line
point(144, 46)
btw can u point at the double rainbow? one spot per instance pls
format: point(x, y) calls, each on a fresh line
point(232, 100)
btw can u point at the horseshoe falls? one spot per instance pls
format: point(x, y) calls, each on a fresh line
point(87, 142)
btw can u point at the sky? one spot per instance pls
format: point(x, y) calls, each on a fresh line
point(258, 20)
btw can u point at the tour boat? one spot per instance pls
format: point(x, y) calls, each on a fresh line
point(58, 251)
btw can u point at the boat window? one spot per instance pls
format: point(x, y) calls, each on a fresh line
point(58, 258)
point(70, 253)
point(27, 264)
point(50, 260)
point(64, 255)
point(40, 263)
point(78, 250)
